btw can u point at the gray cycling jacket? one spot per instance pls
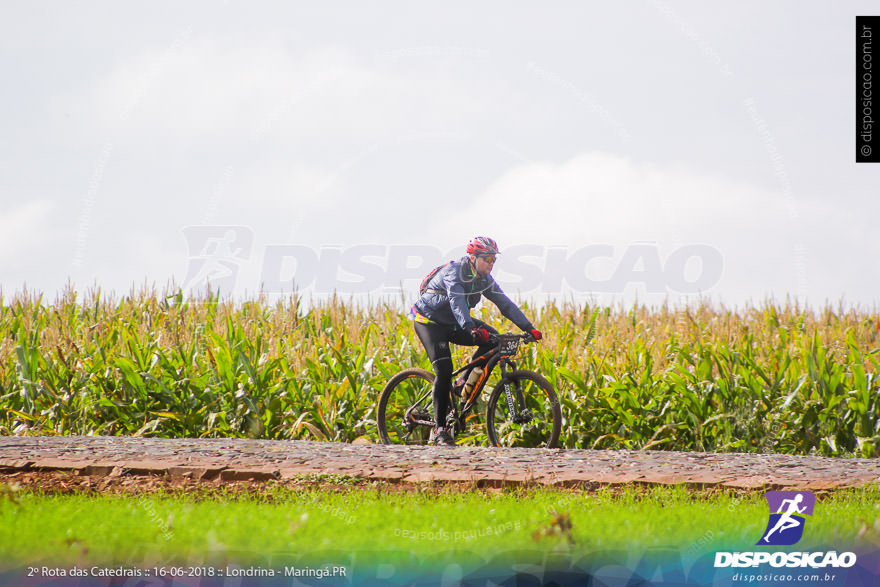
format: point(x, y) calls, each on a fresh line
point(456, 289)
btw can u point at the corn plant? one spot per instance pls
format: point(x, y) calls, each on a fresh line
point(772, 378)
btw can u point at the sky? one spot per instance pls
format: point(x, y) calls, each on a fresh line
point(654, 150)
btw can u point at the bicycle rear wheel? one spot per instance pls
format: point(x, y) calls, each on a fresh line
point(406, 408)
point(535, 425)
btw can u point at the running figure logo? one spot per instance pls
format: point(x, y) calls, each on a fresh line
point(787, 516)
point(216, 253)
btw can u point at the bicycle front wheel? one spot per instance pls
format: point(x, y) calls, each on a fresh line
point(406, 408)
point(534, 425)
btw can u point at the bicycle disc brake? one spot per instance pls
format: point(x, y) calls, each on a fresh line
point(524, 417)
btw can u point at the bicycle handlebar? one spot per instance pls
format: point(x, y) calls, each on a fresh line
point(496, 338)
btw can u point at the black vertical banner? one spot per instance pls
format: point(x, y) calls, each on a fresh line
point(867, 135)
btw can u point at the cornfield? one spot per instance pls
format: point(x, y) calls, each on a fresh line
point(770, 378)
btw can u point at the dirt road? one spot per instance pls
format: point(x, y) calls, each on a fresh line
point(229, 460)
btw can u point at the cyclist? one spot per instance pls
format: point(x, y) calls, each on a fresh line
point(443, 315)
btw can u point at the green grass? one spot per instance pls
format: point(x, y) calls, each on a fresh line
point(150, 530)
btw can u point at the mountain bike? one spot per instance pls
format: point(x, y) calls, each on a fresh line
point(522, 410)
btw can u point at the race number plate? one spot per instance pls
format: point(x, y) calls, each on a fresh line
point(508, 347)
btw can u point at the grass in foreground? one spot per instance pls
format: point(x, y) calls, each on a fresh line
point(331, 525)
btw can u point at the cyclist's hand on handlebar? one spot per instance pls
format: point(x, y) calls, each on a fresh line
point(480, 335)
point(536, 334)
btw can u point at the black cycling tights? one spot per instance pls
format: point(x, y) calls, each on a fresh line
point(436, 338)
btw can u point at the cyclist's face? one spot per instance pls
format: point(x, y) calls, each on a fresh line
point(484, 264)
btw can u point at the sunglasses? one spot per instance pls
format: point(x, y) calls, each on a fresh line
point(488, 258)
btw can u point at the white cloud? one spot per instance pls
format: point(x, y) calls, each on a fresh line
point(25, 234)
point(767, 247)
point(597, 197)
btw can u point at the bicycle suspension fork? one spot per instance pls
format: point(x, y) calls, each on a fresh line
point(516, 402)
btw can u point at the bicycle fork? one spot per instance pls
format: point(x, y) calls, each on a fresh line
point(515, 397)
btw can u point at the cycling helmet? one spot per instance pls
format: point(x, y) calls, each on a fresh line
point(482, 245)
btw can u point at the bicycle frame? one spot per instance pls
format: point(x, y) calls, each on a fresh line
point(489, 361)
